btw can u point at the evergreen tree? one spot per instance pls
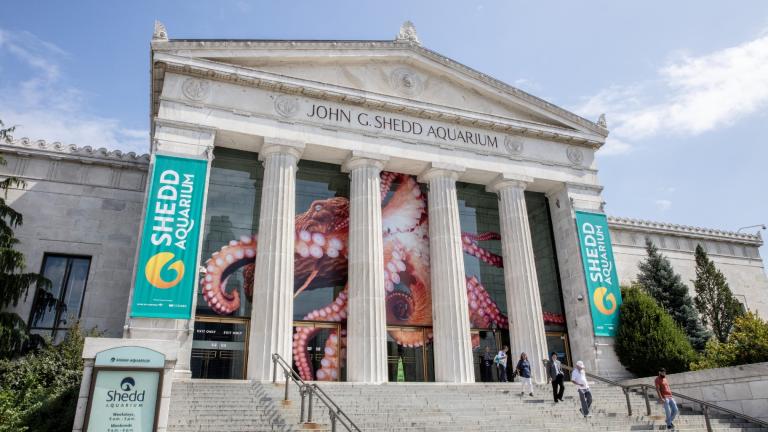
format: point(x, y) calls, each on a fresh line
point(714, 299)
point(659, 279)
point(13, 283)
point(648, 338)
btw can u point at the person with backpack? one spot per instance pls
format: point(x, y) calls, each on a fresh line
point(501, 363)
point(524, 370)
point(555, 376)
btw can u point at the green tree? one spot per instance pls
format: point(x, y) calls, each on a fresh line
point(714, 299)
point(14, 284)
point(38, 392)
point(648, 338)
point(659, 279)
point(747, 343)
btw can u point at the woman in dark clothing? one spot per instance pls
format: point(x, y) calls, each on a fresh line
point(524, 370)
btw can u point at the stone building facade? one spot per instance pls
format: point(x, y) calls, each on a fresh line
point(325, 159)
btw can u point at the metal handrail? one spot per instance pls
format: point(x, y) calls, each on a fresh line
point(308, 392)
point(705, 406)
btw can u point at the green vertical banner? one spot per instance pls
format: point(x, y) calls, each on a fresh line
point(166, 272)
point(600, 271)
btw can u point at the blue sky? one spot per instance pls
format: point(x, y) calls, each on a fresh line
point(684, 84)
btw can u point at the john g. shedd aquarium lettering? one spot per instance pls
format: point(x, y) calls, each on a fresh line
point(395, 124)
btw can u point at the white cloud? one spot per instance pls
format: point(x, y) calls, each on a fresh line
point(663, 205)
point(690, 95)
point(42, 107)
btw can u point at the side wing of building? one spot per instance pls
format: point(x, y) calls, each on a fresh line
point(735, 254)
point(81, 208)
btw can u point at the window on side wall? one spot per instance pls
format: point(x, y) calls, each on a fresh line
point(58, 307)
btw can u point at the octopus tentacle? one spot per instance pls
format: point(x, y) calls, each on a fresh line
point(483, 311)
point(470, 246)
point(219, 267)
point(387, 178)
point(334, 312)
point(333, 354)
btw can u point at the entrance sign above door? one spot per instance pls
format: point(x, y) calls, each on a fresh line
point(599, 271)
point(166, 271)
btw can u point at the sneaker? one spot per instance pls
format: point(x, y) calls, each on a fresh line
point(530, 394)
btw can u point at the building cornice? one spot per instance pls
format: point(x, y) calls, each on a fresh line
point(683, 230)
point(198, 48)
point(88, 154)
point(240, 75)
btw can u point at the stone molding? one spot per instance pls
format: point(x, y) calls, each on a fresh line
point(172, 48)
point(281, 146)
point(85, 154)
point(683, 230)
point(244, 76)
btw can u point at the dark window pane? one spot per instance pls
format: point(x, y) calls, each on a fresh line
point(44, 311)
point(73, 296)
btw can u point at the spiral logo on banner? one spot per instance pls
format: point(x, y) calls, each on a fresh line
point(154, 268)
point(170, 238)
point(599, 271)
point(599, 299)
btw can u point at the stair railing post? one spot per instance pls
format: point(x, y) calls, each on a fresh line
point(287, 381)
point(333, 420)
point(311, 392)
point(274, 369)
point(629, 404)
point(303, 393)
point(705, 409)
point(647, 402)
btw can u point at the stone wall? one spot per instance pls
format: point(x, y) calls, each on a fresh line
point(741, 388)
point(736, 255)
point(80, 201)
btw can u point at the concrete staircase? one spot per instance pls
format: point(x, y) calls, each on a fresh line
point(206, 405)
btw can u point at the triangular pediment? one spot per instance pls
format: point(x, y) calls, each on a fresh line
point(401, 70)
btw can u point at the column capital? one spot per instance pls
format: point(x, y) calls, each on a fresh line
point(504, 181)
point(281, 146)
point(360, 159)
point(182, 139)
point(441, 169)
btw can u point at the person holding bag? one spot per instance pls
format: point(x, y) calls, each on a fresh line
point(524, 369)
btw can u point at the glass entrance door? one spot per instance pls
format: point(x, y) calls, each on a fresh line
point(219, 348)
point(483, 340)
point(325, 358)
point(410, 356)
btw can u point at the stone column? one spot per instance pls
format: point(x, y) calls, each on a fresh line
point(366, 316)
point(526, 321)
point(450, 312)
point(272, 309)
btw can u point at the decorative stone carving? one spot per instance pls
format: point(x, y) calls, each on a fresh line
point(575, 155)
point(73, 150)
point(286, 106)
point(196, 89)
point(514, 145)
point(406, 82)
point(160, 32)
point(601, 121)
point(408, 34)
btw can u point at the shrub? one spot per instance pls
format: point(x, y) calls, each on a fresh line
point(648, 338)
point(747, 343)
point(38, 392)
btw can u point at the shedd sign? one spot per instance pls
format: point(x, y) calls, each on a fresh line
point(600, 271)
point(166, 269)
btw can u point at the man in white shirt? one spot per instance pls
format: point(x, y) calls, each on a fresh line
point(579, 378)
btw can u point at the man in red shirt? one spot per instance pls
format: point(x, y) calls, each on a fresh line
point(665, 396)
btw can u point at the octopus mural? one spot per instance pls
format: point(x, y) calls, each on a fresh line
point(321, 261)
